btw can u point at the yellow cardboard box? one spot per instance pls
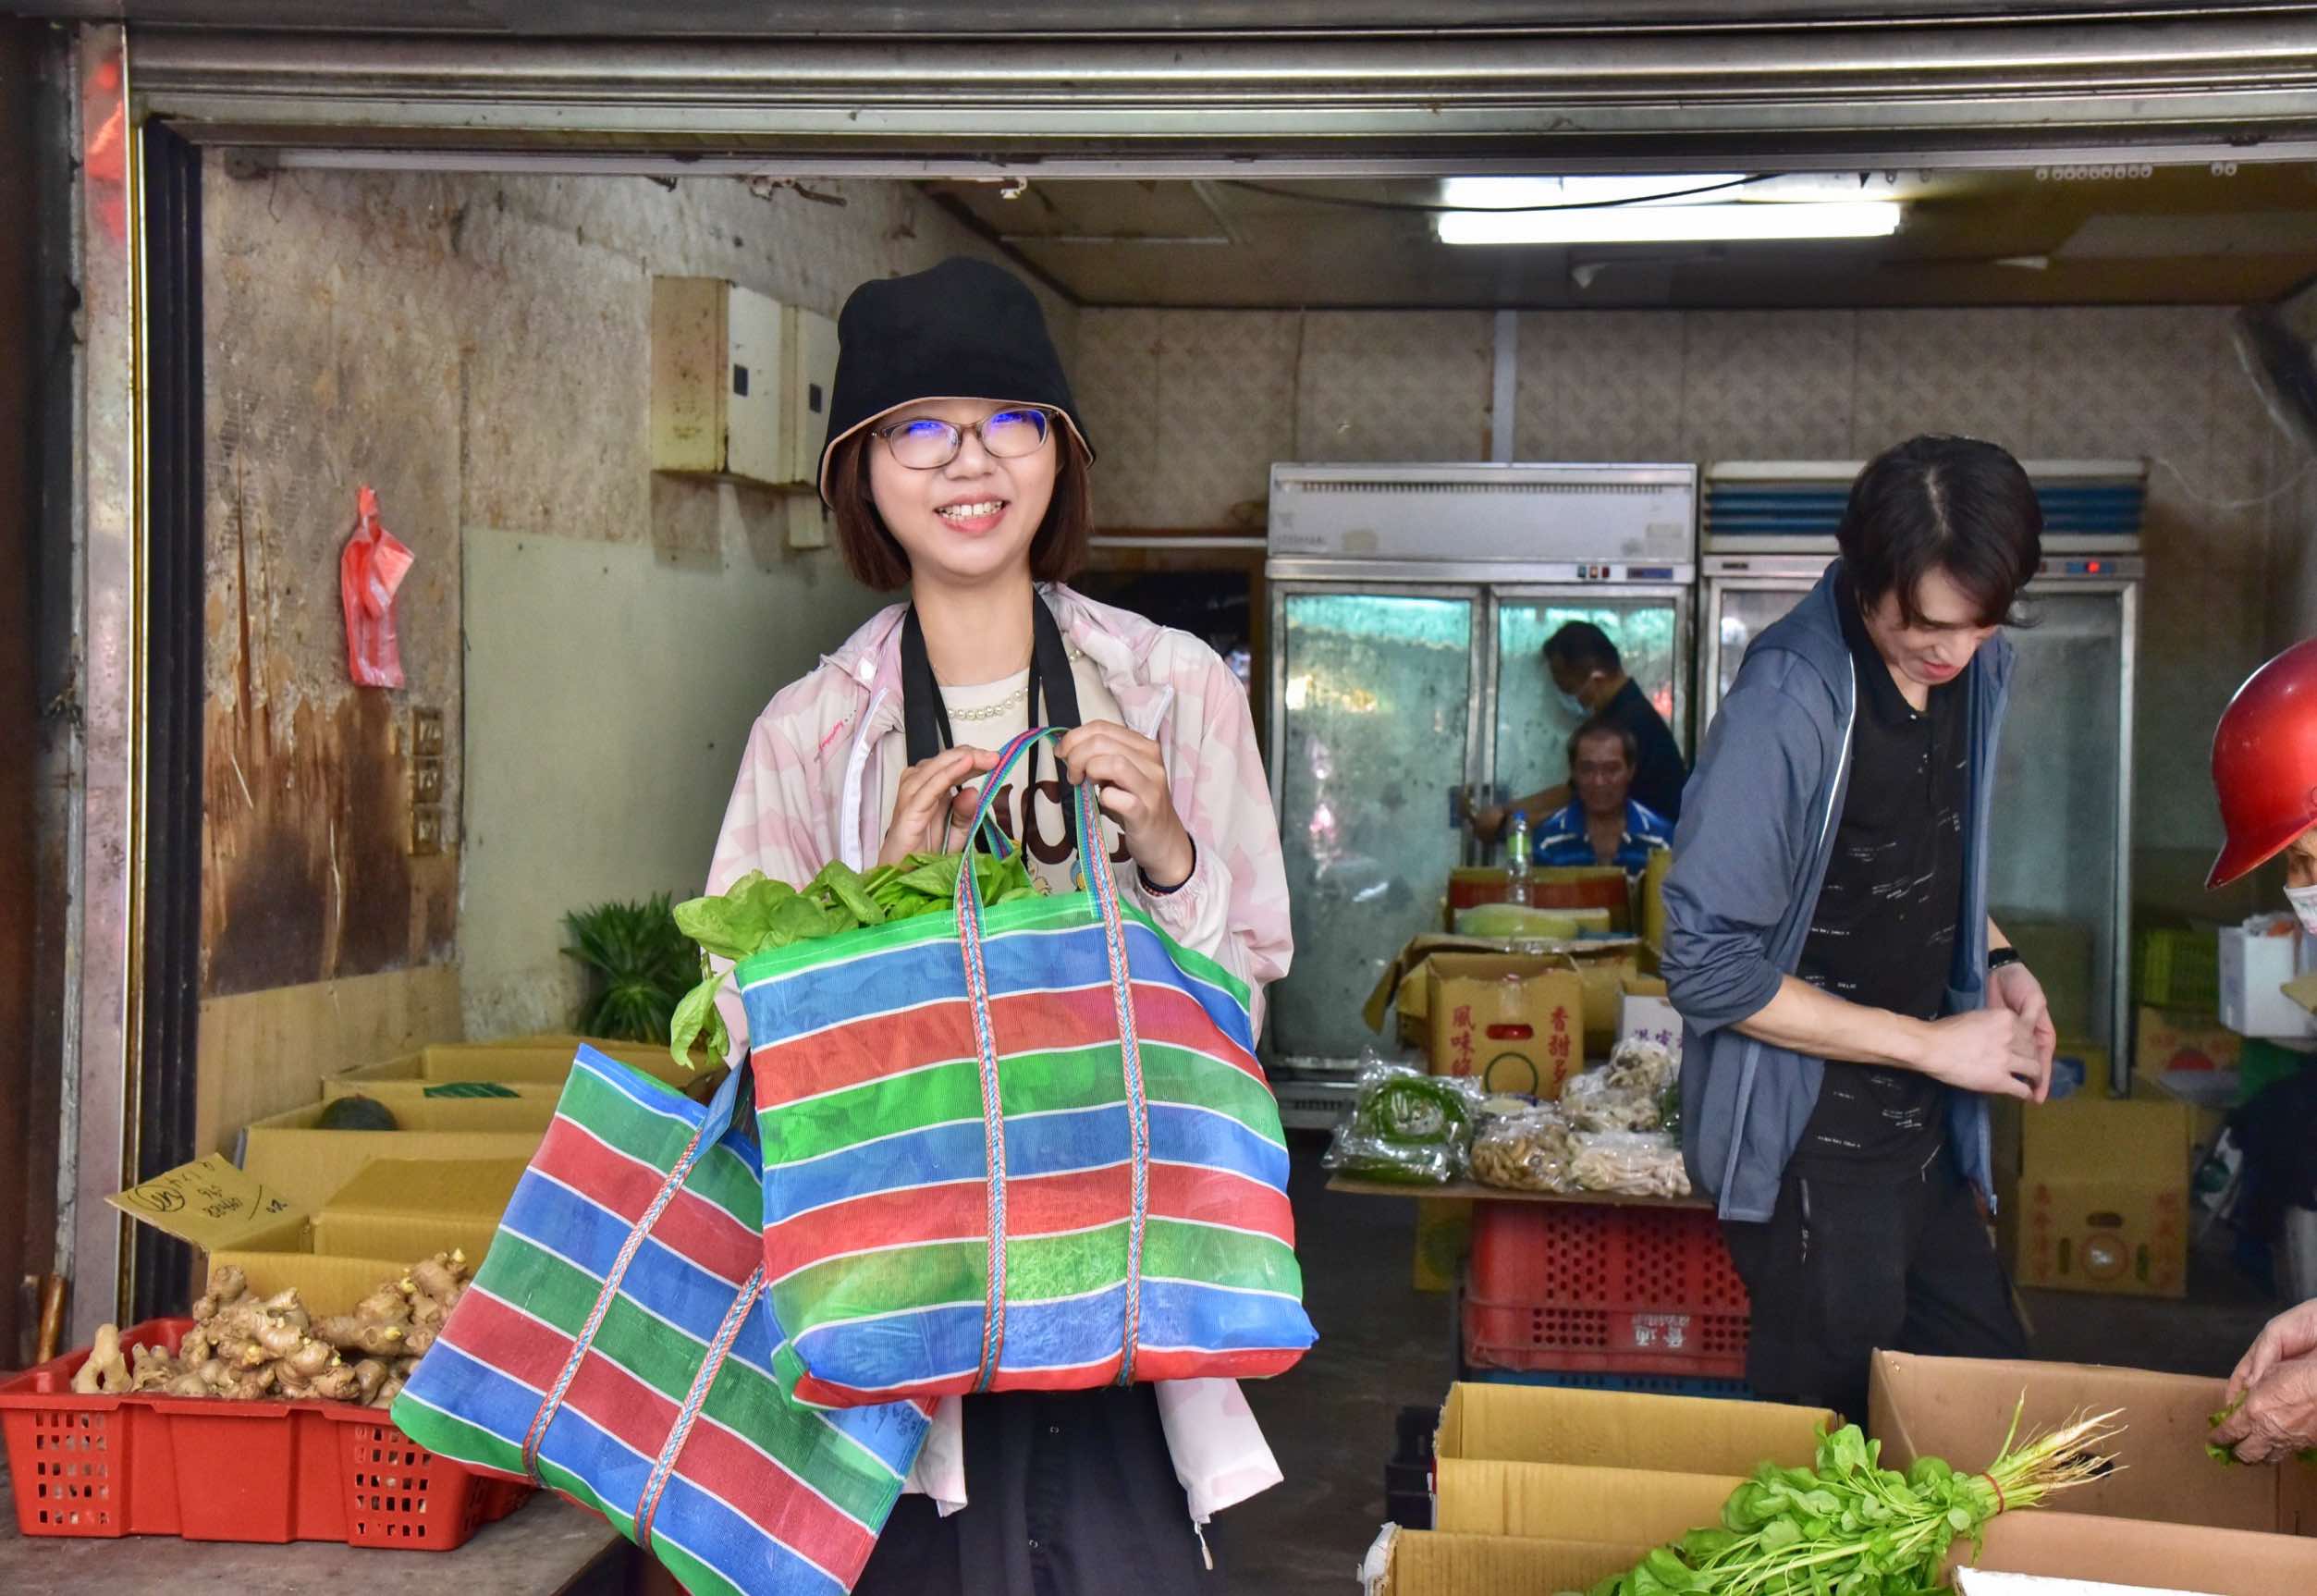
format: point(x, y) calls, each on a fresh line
point(312, 1165)
point(2062, 1546)
point(1960, 1408)
point(1599, 1465)
point(1405, 984)
point(2096, 1196)
point(2177, 1040)
point(244, 1218)
point(520, 1068)
point(1515, 1022)
point(411, 1208)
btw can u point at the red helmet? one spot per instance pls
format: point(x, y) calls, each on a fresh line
point(2265, 762)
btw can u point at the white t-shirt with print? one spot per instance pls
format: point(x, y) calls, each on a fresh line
point(992, 715)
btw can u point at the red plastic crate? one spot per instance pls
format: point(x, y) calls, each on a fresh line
point(207, 1470)
point(1596, 1288)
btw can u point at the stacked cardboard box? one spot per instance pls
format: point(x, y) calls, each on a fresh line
point(1542, 1490)
point(334, 1212)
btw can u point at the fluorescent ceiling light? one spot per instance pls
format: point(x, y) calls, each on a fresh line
point(1509, 193)
point(1672, 224)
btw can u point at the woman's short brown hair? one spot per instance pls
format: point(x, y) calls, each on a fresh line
point(878, 560)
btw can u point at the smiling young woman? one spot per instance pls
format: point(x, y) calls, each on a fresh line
point(957, 465)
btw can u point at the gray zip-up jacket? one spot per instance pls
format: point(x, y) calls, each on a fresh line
point(1756, 830)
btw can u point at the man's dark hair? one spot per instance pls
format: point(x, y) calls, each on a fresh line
point(1951, 504)
point(1581, 646)
point(1601, 726)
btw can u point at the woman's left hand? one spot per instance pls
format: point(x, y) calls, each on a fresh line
point(1129, 775)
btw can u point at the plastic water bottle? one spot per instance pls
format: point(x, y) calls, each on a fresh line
point(1520, 860)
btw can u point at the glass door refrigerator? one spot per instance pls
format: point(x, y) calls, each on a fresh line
point(2061, 867)
point(1409, 607)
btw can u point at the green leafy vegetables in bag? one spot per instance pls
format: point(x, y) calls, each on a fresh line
point(1406, 1127)
point(1852, 1527)
point(758, 913)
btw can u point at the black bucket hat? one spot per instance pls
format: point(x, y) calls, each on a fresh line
point(963, 329)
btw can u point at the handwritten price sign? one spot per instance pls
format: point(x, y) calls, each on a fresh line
point(207, 1202)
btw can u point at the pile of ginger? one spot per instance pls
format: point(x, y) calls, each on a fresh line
point(249, 1348)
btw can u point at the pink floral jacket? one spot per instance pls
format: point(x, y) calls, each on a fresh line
point(809, 791)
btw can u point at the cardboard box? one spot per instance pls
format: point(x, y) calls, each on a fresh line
point(1402, 983)
point(311, 1166)
point(1535, 1461)
point(1644, 1011)
point(408, 1208)
point(246, 1218)
point(1604, 968)
point(2176, 1040)
point(2210, 1562)
point(2096, 1196)
point(1513, 1021)
point(2080, 1067)
point(517, 1068)
point(2254, 969)
point(1960, 1408)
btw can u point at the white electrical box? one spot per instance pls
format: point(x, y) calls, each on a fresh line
point(718, 373)
point(809, 368)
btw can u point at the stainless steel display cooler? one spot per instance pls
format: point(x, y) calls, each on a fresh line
point(1409, 608)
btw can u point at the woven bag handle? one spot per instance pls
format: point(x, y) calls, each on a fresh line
point(1102, 887)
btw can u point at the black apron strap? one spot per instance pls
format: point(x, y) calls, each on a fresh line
point(925, 717)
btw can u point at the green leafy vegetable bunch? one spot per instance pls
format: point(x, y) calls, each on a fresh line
point(1851, 1527)
point(758, 913)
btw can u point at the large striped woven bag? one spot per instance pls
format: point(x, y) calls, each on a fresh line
point(616, 1346)
point(1013, 1146)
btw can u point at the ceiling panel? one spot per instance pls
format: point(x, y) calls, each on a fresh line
point(2136, 235)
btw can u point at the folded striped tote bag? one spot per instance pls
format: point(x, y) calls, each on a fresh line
point(1017, 1146)
point(616, 1345)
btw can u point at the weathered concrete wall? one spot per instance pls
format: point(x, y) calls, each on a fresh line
point(475, 348)
point(1236, 390)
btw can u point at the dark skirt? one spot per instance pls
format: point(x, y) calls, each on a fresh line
point(1068, 1492)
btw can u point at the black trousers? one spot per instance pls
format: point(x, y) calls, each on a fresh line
point(1071, 1493)
point(1846, 1267)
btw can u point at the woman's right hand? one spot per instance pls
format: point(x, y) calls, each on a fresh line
point(929, 797)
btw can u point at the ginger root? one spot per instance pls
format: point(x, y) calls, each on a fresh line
point(106, 1370)
point(245, 1348)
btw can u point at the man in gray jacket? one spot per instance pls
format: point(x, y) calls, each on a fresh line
point(1848, 1003)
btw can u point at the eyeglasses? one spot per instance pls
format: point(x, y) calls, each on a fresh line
point(926, 444)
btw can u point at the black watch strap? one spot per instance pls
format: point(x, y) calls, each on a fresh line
point(1998, 957)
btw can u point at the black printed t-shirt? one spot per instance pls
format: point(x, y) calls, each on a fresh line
point(1883, 932)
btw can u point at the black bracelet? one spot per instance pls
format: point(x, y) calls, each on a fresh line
point(1155, 890)
point(1998, 957)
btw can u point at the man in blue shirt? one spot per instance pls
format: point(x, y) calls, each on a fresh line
point(1603, 824)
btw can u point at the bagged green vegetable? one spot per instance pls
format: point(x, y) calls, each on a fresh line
point(756, 913)
point(1406, 1127)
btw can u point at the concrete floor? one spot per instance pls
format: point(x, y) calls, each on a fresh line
point(1384, 1345)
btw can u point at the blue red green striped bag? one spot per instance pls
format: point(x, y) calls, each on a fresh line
point(1016, 1146)
point(616, 1345)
